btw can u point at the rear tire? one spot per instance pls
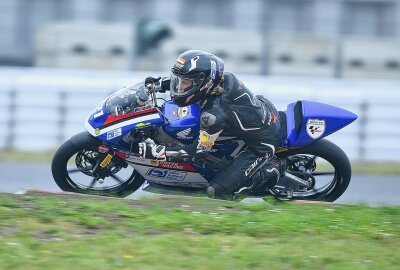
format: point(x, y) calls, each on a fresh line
point(61, 174)
point(337, 158)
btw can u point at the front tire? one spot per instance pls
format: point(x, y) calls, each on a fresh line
point(73, 178)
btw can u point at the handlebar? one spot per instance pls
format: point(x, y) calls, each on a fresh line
point(157, 85)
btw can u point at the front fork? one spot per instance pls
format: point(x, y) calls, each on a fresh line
point(107, 159)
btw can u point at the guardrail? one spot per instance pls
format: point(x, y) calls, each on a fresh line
point(41, 108)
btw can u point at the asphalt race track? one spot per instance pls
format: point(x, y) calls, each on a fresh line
point(369, 189)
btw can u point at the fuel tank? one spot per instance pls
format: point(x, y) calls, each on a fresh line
point(182, 123)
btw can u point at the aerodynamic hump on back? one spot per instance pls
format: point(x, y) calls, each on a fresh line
point(308, 121)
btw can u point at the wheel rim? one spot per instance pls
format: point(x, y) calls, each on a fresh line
point(78, 173)
point(323, 171)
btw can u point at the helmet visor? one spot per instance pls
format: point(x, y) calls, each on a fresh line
point(184, 86)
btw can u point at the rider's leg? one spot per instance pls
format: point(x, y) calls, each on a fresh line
point(248, 171)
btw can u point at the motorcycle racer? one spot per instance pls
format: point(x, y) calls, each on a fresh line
point(228, 108)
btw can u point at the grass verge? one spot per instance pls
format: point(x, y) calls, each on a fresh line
point(11, 155)
point(81, 232)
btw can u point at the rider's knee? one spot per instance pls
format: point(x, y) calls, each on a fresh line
point(216, 191)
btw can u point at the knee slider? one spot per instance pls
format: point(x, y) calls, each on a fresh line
point(216, 191)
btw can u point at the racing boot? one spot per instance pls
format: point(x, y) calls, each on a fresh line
point(267, 177)
point(264, 179)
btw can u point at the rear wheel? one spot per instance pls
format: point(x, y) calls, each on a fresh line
point(323, 165)
point(73, 170)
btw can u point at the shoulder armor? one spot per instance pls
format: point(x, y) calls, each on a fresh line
point(236, 93)
point(230, 83)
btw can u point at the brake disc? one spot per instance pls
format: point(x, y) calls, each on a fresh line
point(86, 160)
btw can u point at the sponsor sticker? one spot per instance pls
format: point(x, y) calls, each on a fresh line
point(103, 149)
point(97, 131)
point(114, 133)
point(175, 166)
point(204, 137)
point(213, 69)
point(181, 112)
point(204, 142)
point(166, 174)
point(270, 118)
point(178, 65)
point(184, 134)
point(142, 125)
point(98, 114)
point(154, 162)
point(315, 128)
point(106, 161)
point(204, 146)
point(171, 165)
point(137, 159)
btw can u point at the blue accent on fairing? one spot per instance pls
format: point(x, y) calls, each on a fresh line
point(154, 123)
point(207, 174)
point(99, 120)
point(335, 119)
point(177, 124)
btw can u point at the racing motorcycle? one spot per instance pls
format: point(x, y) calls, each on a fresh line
point(100, 159)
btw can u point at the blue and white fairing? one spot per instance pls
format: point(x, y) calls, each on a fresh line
point(308, 121)
point(132, 108)
point(125, 110)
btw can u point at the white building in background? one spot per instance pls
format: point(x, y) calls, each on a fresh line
point(343, 38)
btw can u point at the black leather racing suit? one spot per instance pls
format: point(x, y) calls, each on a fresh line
point(237, 112)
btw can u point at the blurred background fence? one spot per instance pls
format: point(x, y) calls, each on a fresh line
point(40, 108)
point(340, 38)
point(73, 53)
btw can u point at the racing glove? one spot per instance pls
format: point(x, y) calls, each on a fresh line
point(152, 151)
point(161, 84)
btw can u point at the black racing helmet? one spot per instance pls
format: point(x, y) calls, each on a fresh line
point(194, 75)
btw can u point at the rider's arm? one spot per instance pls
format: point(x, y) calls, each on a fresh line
point(211, 128)
point(165, 83)
point(213, 121)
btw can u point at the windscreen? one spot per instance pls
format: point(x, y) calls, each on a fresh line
point(129, 100)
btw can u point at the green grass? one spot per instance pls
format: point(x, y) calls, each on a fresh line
point(40, 231)
point(376, 168)
point(11, 155)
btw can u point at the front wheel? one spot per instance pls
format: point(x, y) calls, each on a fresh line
point(324, 165)
point(73, 165)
